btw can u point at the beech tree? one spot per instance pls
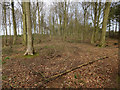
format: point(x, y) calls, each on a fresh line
point(30, 50)
point(24, 24)
point(104, 25)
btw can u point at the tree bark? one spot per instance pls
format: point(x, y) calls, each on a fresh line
point(10, 30)
point(30, 50)
point(95, 19)
point(116, 29)
point(98, 21)
point(42, 20)
point(109, 28)
point(38, 16)
point(50, 25)
point(14, 24)
point(34, 17)
point(24, 24)
point(5, 23)
point(104, 25)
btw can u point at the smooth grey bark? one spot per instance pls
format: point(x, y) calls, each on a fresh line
point(30, 50)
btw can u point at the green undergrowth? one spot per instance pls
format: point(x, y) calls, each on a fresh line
point(4, 60)
point(31, 56)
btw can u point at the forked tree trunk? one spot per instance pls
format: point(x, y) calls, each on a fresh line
point(104, 25)
point(30, 50)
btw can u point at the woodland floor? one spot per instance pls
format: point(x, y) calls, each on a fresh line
point(54, 57)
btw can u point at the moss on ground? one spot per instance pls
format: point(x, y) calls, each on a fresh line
point(31, 56)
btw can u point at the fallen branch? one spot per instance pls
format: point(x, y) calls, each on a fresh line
point(67, 71)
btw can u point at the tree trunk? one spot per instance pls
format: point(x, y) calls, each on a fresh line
point(116, 29)
point(65, 21)
point(30, 50)
point(113, 27)
point(50, 26)
point(95, 19)
point(104, 25)
point(24, 24)
point(98, 20)
point(60, 23)
point(5, 23)
point(10, 30)
point(14, 24)
point(53, 25)
point(38, 16)
point(84, 18)
point(34, 23)
point(109, 28)
point(34, 18)
point(42, 23)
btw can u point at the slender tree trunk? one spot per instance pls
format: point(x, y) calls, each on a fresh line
point(21, 28)
point(113, 27)
point(58, 27)
point(38, 16)
point(84, 18)
point(116, 29)
point(109, 28)
point(104, 25)
point(98, 19)
point(14, 24)
point(10, 30)
point(34, 18)
point(65, 22)
point(60, 23)
point(119, 30)
point(18, 30)
point(30, 50)
point(95, 19)
point(50, 26)
point(34, 23)
point(42, 24)
point(24, 24)
point(53, 25)
point(5, 23)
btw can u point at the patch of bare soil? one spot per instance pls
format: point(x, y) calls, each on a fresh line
point(56, 57)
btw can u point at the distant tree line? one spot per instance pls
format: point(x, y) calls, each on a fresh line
point(86, 21)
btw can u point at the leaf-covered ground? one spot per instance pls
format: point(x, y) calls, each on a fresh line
point(54, 57)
